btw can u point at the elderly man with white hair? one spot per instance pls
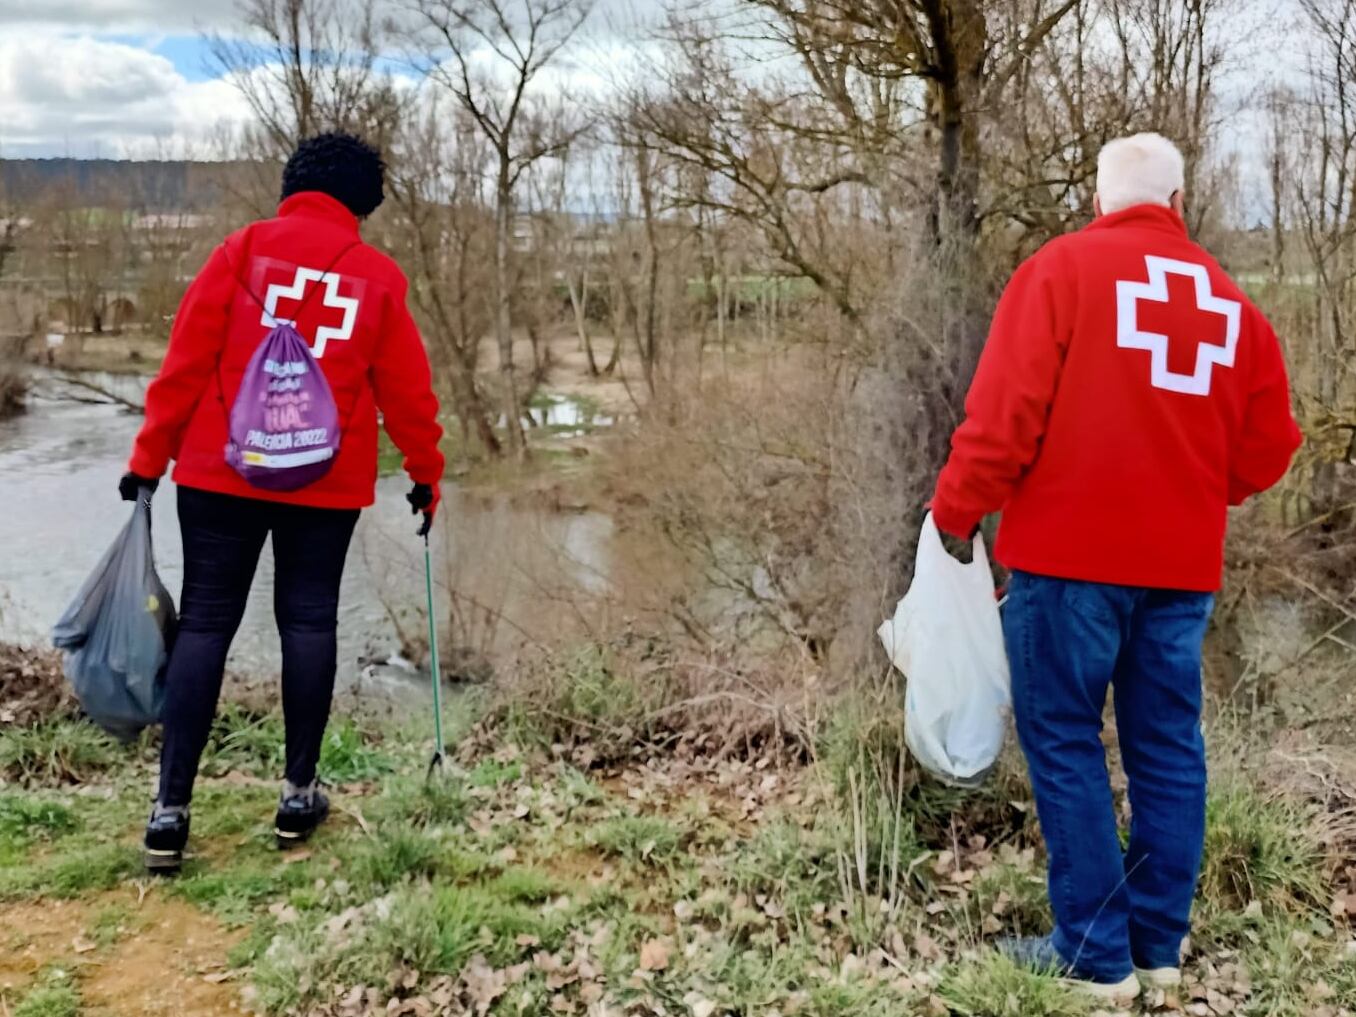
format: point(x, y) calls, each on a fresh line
point(1129, 393)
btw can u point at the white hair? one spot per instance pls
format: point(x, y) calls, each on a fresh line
point(1143, 169)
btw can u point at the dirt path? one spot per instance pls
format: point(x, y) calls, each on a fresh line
point(131, 955)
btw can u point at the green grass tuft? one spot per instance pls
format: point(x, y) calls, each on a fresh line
point(993, 986)
point(71, 873)
point(794, 866)
point(522, 885)
point(111, 922)
point(55, 995)
point(349, 754)
point(243, 739)
point(493, 773)
point(864, 755)
point(26, 818)
point(57, 752)
point(256, 743)
point(642, 840)
point(231, 893)
point(1295, 972)
point(410, 801)
point(1259, 848)
point(396, 855)
point(433, 929)
point(1013, 895)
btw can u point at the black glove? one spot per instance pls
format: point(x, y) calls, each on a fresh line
point(131, 484)
point(421, 500)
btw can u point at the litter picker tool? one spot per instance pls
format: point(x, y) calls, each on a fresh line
point(436, 763)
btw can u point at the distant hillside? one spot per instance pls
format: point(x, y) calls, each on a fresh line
point(148, 186)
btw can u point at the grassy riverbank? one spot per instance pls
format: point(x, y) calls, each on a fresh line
point(551, 871)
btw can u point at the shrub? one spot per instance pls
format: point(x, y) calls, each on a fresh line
point(13, 389)
point(584, 696)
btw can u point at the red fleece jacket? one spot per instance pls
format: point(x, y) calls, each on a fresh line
point(371, 354)
point(1128, 394)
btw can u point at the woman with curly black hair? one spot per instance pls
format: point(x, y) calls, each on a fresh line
point(307, 267)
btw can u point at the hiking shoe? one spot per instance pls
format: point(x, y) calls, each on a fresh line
point(165, 840)
point(1038, 953)
point(1159, 978)
point(300, 811)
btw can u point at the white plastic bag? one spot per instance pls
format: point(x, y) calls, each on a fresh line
point(947, 639)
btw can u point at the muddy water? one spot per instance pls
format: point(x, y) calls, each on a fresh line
point(505, 572)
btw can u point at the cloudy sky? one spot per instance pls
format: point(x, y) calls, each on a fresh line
point(119, 78)
point(108, 77)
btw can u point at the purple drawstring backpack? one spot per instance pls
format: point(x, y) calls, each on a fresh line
point(283, 428)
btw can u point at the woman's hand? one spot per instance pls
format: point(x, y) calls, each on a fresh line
point(423, 498)
point(131, 484)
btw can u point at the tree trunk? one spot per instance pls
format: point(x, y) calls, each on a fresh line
point(503, 318)
point(472, 409)
point(955, 103)
point(649, 344)
point(579, 298)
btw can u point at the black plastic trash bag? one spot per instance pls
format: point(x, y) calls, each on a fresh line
point(118, 631)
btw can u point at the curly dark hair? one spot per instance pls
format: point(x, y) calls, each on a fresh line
point(344, 166)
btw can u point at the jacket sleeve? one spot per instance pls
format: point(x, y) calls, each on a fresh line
point(403, 385)
point(1268, 436)
point(196, 342)
point(1008, 404)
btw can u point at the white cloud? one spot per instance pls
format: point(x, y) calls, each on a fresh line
point(101, 98)
point(112, 16)
point(82, 77)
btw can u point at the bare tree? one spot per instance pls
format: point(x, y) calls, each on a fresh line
point(865, 57)
point(523, 37)
point(1323, 192)
point(11, 219)
point(444, 237)
point(304, 66)
point(582, 267)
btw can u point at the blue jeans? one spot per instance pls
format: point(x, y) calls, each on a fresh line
point(1067, 642)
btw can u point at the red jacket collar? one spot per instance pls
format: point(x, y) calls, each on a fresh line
point(319, 205)
point(1157, 217)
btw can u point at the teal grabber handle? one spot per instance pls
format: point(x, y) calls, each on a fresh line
point(437, 675)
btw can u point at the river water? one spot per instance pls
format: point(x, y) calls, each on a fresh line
point(504, 571)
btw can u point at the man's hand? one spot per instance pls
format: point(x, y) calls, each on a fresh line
point(962, 549)
point(423, 498)
point(130, 485)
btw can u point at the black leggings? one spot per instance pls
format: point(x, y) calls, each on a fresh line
point(223, 536)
